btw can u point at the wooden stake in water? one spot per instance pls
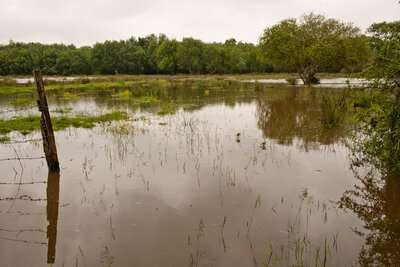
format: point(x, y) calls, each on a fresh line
point(49, 143)
point(53, 196)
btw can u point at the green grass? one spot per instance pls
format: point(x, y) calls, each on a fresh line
point(8, 90)
point(147, 100)
point(4, 139)
point(168, 109)
point(28, 124)
point(21, 102)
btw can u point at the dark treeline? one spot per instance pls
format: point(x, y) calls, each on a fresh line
point(148, 55)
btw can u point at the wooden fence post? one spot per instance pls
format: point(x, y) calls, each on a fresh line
point(49, 143)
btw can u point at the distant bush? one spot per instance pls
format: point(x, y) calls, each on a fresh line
point(315, 80)
point(291, 81)
point(85, 81)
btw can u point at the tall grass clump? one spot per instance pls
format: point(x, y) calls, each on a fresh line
point(333, 108)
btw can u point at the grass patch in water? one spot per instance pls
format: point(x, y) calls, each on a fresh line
point(123, 95)
point(4, 139)
point(32, 123)
point(147, 100)
point(21, 102)
point(8, 90)
point(168, 109)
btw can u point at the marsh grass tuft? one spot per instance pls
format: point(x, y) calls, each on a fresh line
point(334, 108)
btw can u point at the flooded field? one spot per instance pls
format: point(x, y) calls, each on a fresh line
point(201, 174)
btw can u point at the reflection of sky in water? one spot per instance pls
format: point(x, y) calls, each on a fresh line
point(58, 79)
point(331, 83)
point(135, 192)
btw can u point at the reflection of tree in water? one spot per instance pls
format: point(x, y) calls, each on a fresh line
point(376, 202)
point(293, 113)
point(189, 95)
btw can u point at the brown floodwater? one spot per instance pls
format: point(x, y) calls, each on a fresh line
point(233, 177)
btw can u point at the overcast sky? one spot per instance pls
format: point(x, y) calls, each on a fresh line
point(84, 22)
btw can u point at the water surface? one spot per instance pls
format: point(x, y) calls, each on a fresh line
point(233, 177)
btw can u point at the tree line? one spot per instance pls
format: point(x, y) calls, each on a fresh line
point(310, 44)
point(144, 55)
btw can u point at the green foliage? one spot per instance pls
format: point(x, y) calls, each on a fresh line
point(190, 55)
point(313, 42)
point(85, 81)
point(167, 56)
point(146, 55)
point(380, 115)
point(315, 80)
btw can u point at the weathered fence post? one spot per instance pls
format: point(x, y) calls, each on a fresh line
point(49, 143)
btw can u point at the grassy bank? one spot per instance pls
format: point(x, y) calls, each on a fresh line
point(28, 124)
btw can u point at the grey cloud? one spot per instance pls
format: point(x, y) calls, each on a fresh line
point(85, 22)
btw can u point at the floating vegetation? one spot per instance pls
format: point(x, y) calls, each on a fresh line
point(122, 95)
point(168, 109)
point(147, 100)
point(32, 123)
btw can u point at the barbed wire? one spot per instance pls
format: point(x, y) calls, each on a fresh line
point(23, 213)
point(22, 230)
point(23, 197)
point(27, 183)
point(8, 142)
point(24, 241)
point(5, 159)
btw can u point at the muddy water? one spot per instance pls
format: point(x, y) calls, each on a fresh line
point(242, 178)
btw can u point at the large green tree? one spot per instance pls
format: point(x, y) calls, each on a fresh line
point(312, 42)
point(166, 56)
point(190, 55)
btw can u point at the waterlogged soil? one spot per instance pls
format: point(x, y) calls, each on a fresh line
point(205, 176)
